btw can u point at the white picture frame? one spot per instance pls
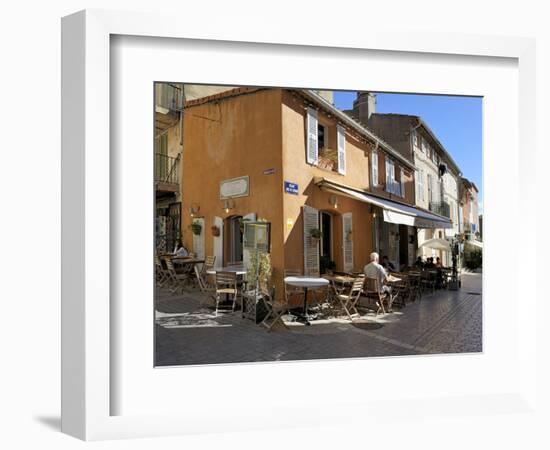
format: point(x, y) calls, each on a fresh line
point(89, 322)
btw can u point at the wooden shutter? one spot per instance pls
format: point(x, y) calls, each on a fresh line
point(218, 243)
point(347, 240)
point(198, 240)
point(311, 247)
point(374, 162)
point(388, 179)
point(392, 177)
point(312, 138)
point(341, 142)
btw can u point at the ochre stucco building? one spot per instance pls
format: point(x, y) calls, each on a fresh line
point(282, 155)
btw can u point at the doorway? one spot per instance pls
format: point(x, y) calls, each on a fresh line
point(234, 239)
point(325, 244)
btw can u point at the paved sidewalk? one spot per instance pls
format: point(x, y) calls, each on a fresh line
point(444, 322)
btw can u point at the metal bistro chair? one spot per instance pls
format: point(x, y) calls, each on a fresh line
point(427, 280)
point(226, 286)
point(347, 299)
point(401, 290)
point(415, 286)
point(373, 293)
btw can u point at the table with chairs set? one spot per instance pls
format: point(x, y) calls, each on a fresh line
point(305, 298)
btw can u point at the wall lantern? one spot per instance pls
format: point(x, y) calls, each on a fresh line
point(333, 200)
point(194, 210)
point(228, 205)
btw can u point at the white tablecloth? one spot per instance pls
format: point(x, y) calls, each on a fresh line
point(306, 282)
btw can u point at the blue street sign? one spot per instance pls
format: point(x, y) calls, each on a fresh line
point(291, 188)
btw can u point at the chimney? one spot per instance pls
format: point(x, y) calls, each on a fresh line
point(363, 106)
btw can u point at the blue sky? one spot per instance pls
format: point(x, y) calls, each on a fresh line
point(456, 121)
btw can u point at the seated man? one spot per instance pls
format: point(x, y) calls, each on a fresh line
point(387, 264)
point(375, 270)
point(419, 263)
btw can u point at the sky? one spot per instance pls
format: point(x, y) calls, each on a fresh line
point(456, 121)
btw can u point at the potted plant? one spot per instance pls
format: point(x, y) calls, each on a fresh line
point(315, 234)
point(258, 279)
point(196, 228)
point(215, 230)
point(326, 264)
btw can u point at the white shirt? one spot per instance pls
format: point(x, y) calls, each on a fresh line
point(375, 270)
point(182, 252)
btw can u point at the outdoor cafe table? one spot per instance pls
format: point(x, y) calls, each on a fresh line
point(306, 283)
point(239, 270)
point(185, 260)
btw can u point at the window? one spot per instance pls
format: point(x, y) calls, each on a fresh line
point(391, 186)
point(388, 175)
point(341, 144)
point(322, 137)
point(402, 180)
point(430, 188)
point(312, 151)
point(414, 137)
point(420, 185)
point(374, 168)
point(424, 146)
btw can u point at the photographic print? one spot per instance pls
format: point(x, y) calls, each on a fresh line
point(306, 224)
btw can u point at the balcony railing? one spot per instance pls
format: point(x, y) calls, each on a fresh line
point(441, 208)
point(169, 96)
point(167, 169)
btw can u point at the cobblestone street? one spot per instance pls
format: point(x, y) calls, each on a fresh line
point(444, 322)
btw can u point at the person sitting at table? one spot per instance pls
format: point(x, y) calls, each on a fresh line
point(387, 264)
point(438, 263)
point(419, 263)
point(180, 250)
point(429, 263)
point(377, 271)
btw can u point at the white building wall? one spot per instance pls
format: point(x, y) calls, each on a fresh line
point(450, 185)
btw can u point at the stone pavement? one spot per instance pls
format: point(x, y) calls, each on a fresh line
point(187, 332)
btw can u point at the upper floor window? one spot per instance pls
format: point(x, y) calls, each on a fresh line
point(402, 181)
point(414, 137)
point(424, 146)
point(392, 185)
point(374, 168)
point(322, 136)
point(420, 184)
point(318, 151)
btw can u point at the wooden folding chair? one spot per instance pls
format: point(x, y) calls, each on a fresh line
point(226, 286)
point(372, 291)
point(209, 262)
point(177, 280)
point(275, 310)
point(348, 299)
point(161, 274)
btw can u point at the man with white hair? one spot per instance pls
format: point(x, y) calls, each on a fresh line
point(375, 270)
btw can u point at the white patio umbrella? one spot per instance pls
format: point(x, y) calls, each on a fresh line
point(437, 244)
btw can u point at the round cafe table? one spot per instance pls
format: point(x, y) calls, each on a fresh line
point(306, 283)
